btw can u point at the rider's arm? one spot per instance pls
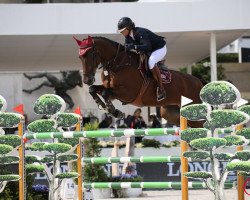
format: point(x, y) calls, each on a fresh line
point(128, 40)
point(145, 44)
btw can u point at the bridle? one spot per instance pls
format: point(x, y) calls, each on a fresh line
point(107, 65)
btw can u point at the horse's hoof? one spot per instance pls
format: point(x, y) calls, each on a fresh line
point(100, 107)
point(118, 114)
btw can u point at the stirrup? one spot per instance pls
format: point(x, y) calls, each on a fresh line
point(161, 94)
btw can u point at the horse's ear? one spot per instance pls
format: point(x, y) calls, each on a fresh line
point(79, 42)
point(90, 40)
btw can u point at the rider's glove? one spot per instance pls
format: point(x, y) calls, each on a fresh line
point(129, 47)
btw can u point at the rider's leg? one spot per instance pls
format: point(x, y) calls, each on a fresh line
point(161, 94)
point(154, 58)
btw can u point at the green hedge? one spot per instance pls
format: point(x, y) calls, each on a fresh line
point(196, 155)
point(203, 175)
point(71, 141)
point(243, 155)
point(30, 159)
point(67, 119)
point(12, 140)
point(9, 177)
point(34, 168)
point(223, 156)
point(4, 149)
point(9, 120)
point(195, 112)
point(9, 159)
point(239, 166)
point(48, 104)
point(219, 92)
point(244, 132)
point(67, 158)
point(208, 143)
point(245, 109)
point(234, 140)
point(227, 118)
point(67, 175)
point(57, 148)
point(42, 125)
point(193, 133)
point(37, 146)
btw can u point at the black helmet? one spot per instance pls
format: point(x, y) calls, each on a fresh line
point(125, 22)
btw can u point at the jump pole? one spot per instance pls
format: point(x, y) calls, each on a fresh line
point(240, 178)
point(184, 161)
point(79, 164)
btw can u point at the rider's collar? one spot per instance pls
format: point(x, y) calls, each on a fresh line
point(131, 34)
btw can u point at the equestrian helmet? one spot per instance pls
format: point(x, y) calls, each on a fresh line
point(124, 23)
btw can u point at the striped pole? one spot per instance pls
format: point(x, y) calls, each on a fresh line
point(240, 178)
point(150, 185)
point(142, 159)
point(184, 161)
point(104, 133)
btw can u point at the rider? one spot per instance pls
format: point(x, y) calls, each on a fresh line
point(144, 40)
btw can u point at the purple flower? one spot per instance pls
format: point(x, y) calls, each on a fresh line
point(40, 188)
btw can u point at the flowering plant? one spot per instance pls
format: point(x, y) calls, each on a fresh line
point(40, 188)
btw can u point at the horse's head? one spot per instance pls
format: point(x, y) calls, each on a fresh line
point(89, 58)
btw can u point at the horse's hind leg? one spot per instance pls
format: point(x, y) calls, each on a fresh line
point(171, 113)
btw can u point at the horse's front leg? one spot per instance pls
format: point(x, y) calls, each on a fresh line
point(94, 90)
point(106, 94)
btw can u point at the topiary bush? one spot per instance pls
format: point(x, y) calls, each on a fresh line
point(216, 96)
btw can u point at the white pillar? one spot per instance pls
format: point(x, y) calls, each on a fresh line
point(240, 50)
point(189, 69)
point(213, 59)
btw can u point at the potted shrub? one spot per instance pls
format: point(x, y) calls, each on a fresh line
point(127, 192)
point(207, 142)
point(94, 172)
point(53, 106)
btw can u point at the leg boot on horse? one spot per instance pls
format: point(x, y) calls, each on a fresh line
point(161, 93)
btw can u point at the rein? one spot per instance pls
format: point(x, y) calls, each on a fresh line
point(111, 64)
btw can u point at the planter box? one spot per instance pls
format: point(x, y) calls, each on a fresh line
point(129, 192)
point(101, 193)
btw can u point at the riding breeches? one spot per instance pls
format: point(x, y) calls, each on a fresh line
point(157, 56)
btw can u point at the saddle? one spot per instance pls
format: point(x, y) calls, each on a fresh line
point(147, 76)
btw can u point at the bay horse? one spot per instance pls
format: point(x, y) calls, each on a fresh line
point(122, 80)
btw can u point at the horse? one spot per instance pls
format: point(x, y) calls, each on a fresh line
point(122, 80)
point(70, 79)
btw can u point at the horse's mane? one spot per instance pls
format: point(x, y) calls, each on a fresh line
point(114, 43)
